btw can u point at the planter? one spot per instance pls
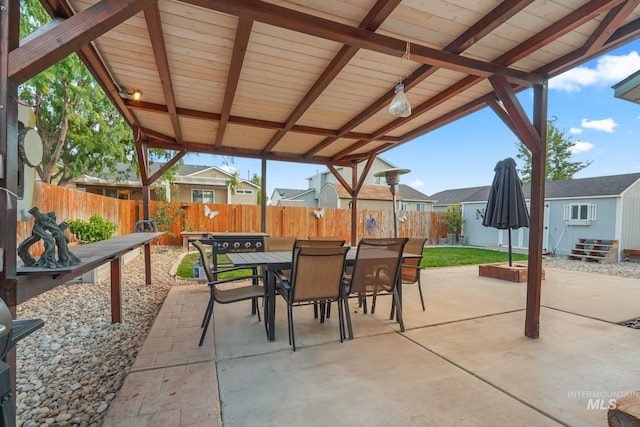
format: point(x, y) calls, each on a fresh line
point(516, 273)
point(451, 239)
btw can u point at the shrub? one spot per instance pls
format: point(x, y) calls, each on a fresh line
point(95, 230)
point(453, 219)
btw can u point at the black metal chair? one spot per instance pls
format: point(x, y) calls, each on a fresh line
point(225, 296)
point(316, 276)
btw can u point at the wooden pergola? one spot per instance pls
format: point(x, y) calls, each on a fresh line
point(309, 81)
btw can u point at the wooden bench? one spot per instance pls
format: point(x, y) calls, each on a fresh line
point(632, 253)
point(32, 281)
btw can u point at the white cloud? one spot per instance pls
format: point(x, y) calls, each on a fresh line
point(581, 147)
point(605, 125)
point(575, 131)
point(417, 184)
point(609, 69)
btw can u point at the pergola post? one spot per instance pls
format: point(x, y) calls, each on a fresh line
point(536, 221)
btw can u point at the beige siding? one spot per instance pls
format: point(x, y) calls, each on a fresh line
point(183, 193)
point(630, 237)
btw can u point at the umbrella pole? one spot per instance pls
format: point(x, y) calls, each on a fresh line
point(510, 257)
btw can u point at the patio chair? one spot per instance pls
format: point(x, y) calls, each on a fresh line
point(320, 243)
point(225, 296)
point(376, 272)
point(410, 271)
point(411, 266)
point(316, 276)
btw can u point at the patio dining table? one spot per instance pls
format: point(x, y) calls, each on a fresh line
point(272, 261)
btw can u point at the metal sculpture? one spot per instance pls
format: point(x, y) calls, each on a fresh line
point(52, 234)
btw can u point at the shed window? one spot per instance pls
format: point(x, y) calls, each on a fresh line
point(580, 214)
point(421, 207)
point(404, 207)
point(202, 196)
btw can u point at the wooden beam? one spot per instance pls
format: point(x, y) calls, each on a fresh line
point(536, 221)
point(156, 36)
point(381, 10)
point(243, 32)
point(568, 23)
point(168, 165)
point(609, 24)
point(324, 28)
point(244, 121)
point(143, 160)
point(77, 31)
point(484, 26)
point(520, 122)
point(162, 142)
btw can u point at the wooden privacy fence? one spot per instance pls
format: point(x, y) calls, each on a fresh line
point(175, 217)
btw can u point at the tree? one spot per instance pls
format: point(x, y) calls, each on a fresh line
point(81, 130)
point(559, 167)
point(258, 181)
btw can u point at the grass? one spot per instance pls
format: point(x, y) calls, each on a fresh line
point(451, 256)
point(185, 269)
point(436, 256)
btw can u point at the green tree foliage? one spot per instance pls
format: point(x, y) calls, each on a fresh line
point(559, 164)
point(453, 218)
point(258, 181)
point(81, 130)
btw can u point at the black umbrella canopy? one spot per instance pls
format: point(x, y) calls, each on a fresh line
point(506, 208)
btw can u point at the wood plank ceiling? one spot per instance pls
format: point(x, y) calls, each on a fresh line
point(311, 80)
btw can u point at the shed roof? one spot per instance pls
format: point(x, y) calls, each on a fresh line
point(611, 185)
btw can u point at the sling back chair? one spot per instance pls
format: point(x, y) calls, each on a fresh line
point(376, 272)
point(313, 242)
point(316, 276)
point(227, 295)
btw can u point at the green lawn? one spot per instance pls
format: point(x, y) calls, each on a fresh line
point(434, 256)
point(448, 256)
point(185, 269)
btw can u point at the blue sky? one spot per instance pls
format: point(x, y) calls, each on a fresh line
point(604, 129)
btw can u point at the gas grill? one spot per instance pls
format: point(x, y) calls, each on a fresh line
point(223, 243)
point(11, 331)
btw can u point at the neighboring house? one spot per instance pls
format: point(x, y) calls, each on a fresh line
point(324, 190)
point(374, 197)
point(292, 197)
point(191, 184)
point(605, 207)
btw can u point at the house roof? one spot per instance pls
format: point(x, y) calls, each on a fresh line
point(611, 185)
point(381, 192)
point(127, 176)
point(629, 88)
point(311, 81)
point(410, 194)
point(456, 196)
point(289, 193)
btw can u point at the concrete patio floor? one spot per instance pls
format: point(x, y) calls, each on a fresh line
point(464, 361)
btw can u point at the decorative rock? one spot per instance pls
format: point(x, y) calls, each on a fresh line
point(69, 371)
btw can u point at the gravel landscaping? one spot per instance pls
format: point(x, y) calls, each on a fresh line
point(69, 371)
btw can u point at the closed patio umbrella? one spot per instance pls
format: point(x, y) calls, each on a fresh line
point(506, 208)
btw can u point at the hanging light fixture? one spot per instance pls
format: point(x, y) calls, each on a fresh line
point(134, 94)
point(400, 106)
